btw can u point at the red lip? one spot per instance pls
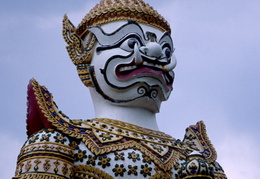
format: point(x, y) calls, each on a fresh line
point(130, 73)
point(141, 71)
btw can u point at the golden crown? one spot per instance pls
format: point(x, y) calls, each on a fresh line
point(114, 10)
point(104, 12)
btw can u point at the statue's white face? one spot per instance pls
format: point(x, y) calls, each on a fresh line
point(132, 64)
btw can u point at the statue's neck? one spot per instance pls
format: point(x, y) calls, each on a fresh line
point(138, 116)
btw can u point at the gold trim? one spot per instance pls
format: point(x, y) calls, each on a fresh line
point(118, 10)
point(48, 157)
point(90, 171)
point(165, 166)
point(156, 151)
point(47, 142)
point(161, 175)
point(135, 128)
point(142, 131)
point(143, 135)
point(196, 176)
point(107, 140)
point(205, 138)
point(94, 148)
point(40, 176)
point(44, 152)
point(219, 175)
point(79, 52)
point(66, 149)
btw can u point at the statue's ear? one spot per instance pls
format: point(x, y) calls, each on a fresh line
point(75, 44)
point(79, 53)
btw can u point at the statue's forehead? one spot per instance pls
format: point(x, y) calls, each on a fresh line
point(112, 26)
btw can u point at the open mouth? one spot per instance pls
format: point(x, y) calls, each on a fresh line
point(126, 71)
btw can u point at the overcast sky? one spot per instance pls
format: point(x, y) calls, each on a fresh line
point(217, 77)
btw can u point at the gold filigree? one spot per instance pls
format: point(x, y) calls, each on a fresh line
point(161, 175)
point(40, 157)
point(38, 176)
point(80, 54)
point(94, 148)
point(166, 165)
point(44, 145)
point(115, 10)
point(105, 137)
point(44, 165)
point(159, 149)
point(82, 171)
point(219, 175)
point(118, 128)
point(134, 128)
point(203, 140)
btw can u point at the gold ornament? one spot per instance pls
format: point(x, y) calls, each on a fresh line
point(115, 10)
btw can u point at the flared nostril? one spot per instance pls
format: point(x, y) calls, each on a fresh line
point(144, 50)
point(152, 49)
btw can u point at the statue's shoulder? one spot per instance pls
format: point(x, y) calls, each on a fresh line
point(36, 119)
point(196, 138)
point(202, 158)
point(43, 113)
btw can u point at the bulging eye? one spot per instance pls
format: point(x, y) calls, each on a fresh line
point(167, 52)
point(129, 44)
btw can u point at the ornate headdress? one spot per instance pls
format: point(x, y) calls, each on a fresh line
point(104, 12)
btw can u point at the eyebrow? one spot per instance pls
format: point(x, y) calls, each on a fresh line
point(131, 27)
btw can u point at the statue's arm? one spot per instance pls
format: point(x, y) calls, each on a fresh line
point(203, 156)
point(47, 153)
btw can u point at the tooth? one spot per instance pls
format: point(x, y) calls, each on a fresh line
point(123, 68)
point(171, 65)
point(127, 68)
point(167, 79)
point(132, 67)
point(138, 58)
point(145, 63)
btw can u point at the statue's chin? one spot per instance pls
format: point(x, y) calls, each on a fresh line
point(150, 104)
point(140, 95)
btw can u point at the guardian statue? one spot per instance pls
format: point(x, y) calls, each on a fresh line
point(123, 51)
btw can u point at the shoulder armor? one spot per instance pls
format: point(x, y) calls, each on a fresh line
point(46, 154)
point(35, 118)
point(196, 137)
